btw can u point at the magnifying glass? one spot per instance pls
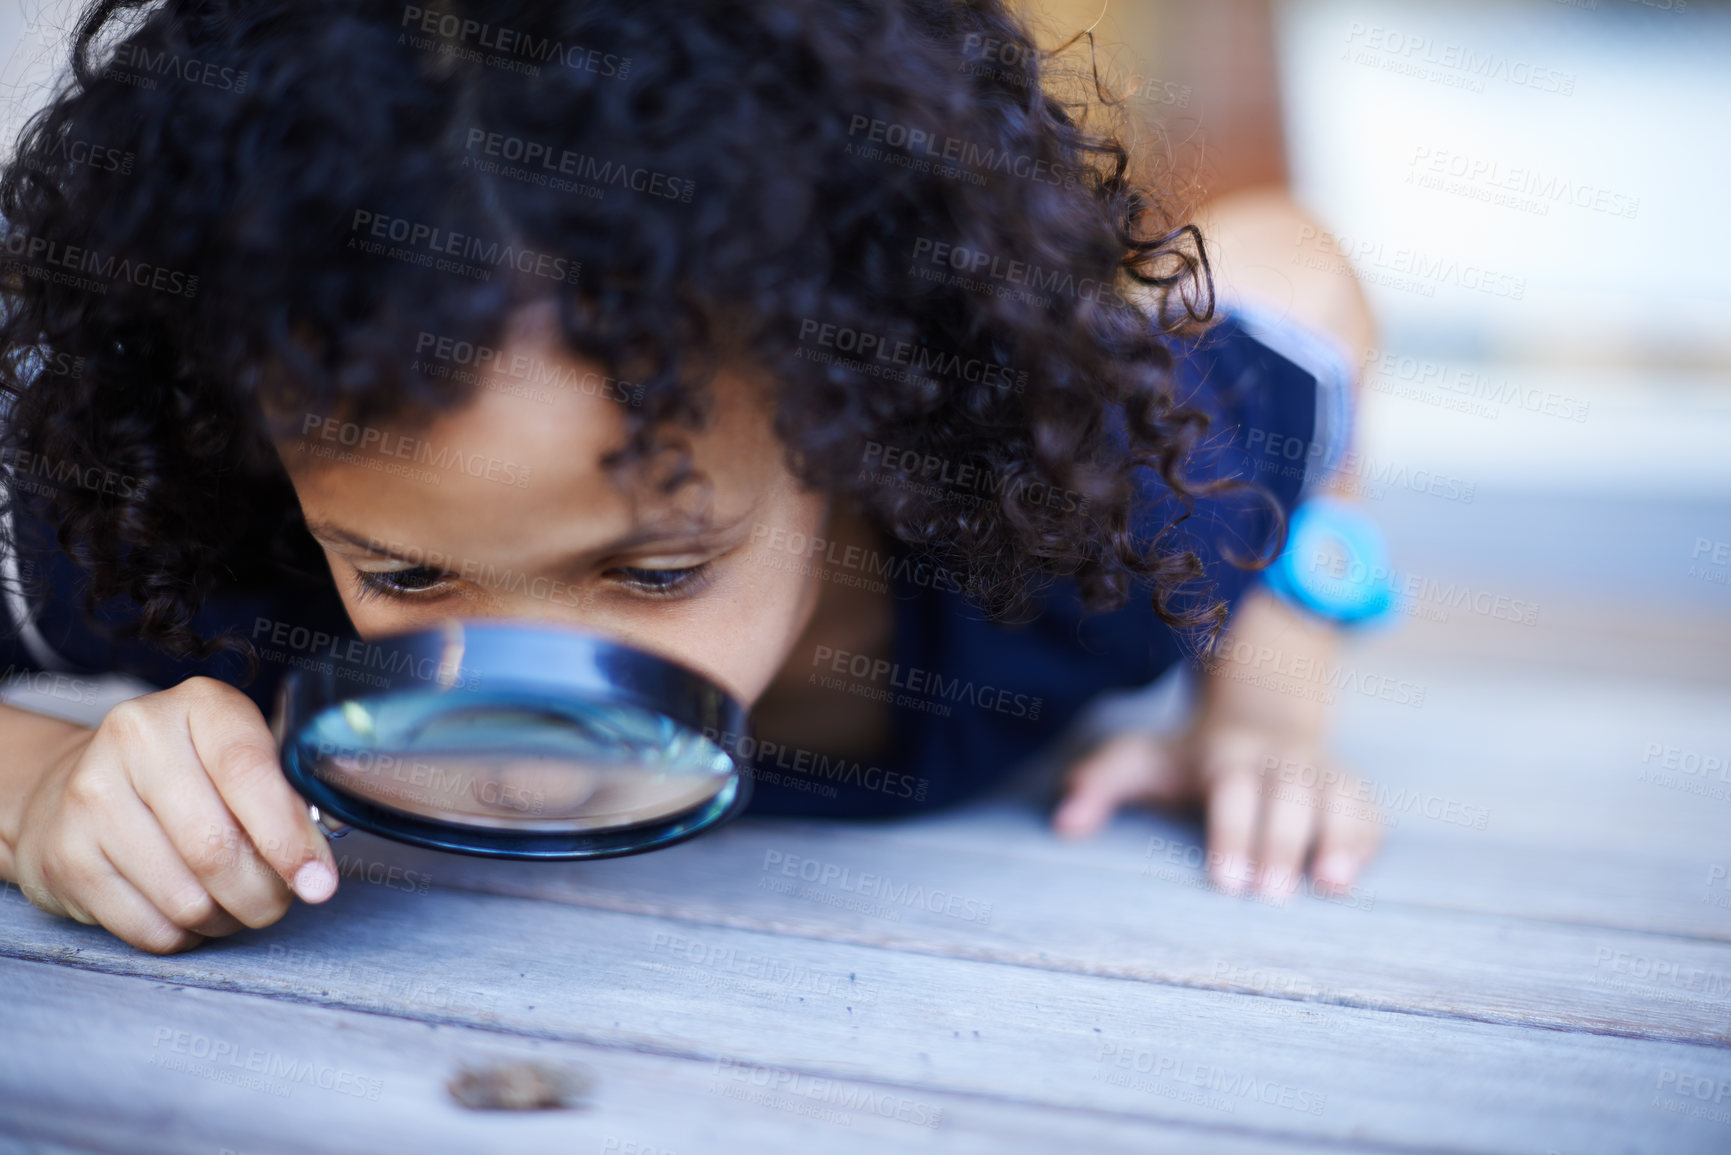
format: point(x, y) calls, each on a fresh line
point(512, 740)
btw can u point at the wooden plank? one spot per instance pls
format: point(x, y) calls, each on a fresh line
point(18, 1143)
point(1040, 1037)
point(1559, 760)
point(1665, 887)
point(1148, 917)
point(134, 1066)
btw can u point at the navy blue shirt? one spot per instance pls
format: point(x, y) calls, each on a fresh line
point(968, 698)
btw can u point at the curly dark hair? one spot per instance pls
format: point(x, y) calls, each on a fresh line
point(241, 207)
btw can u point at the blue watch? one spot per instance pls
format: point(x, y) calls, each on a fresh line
point(1335, 565)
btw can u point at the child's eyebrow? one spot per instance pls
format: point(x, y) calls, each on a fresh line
point(694, 532)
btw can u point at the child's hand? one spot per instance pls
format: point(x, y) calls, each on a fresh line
point(1272, 803)
point(153, 825)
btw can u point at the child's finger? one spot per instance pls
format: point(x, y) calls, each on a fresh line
point(1126, 768)
point(98, 891)
point(170, 780)
point(1228, 765)
point(239, 754)
point(1234, 798)
point(141, 852)
point(1349, 835)
point(1289, 821)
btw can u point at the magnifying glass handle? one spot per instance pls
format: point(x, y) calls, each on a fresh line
point(332, 828)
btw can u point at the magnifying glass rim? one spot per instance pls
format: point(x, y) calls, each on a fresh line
point(535, 657)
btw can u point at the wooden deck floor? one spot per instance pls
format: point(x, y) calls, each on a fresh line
point(1558, 981)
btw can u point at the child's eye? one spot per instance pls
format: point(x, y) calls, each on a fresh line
point(399, 583)
point(663, 583)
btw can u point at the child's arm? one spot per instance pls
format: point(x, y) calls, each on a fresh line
point(1258, 743)
point(168, 823)
point(1254, 753)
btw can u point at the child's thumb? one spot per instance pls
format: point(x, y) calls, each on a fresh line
point(1127, 768)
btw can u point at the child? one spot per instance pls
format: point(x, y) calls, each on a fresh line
point(785, 339)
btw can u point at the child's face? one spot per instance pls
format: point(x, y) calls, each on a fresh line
point(503, 509)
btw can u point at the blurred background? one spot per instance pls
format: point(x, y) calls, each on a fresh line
point(1532, 194)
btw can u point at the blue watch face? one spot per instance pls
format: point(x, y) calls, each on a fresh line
point(1336, 563)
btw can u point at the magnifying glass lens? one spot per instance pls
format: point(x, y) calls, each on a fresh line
point(513, 739)
point(508, 763)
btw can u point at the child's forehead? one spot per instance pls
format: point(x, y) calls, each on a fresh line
point(505, 457)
